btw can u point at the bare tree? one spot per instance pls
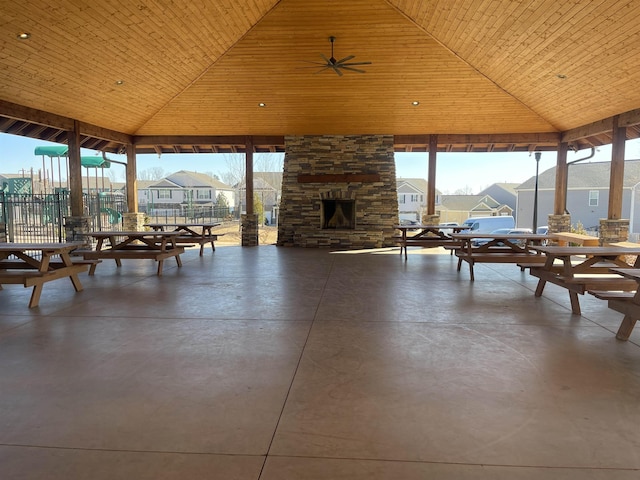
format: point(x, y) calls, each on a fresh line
point(154, 173)
point(466, 190)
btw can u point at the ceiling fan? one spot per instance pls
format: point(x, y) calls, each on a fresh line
point(339, 65)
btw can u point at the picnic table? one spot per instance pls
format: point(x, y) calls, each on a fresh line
point(119, 245)
point(500, 248)
point(427, 236)
point(565, 238)
point(584, 268)
point(627, 303)
point(34, 264)
point(199, 233)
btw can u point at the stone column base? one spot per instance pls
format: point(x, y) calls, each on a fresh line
point(430, 219)
point(3, 232)
point(613, 231)
point(76, 229)
point(559, 223)
point(133, 221)
point(249, 226)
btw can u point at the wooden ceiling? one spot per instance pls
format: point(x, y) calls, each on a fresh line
point(488, 74)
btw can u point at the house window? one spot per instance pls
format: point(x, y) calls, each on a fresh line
point(414, 198)
point(594, 195)
point(164, 193)
point(203, 194)
point(401, 198)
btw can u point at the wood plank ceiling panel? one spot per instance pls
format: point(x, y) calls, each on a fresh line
point(269, 65)
point(79, 50)
point(526, 46)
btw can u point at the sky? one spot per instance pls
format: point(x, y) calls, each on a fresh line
point(470, 172)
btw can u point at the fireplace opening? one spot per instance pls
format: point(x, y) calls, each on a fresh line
point(339, 214)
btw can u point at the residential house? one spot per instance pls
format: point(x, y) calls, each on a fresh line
point(181, 191)
point(587, 195)
point(267, 188)
point(503, 193)
point(457, 208)
point(412, 198)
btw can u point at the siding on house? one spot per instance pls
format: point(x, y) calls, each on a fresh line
point(583, 178)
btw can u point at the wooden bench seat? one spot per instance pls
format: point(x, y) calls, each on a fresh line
point(564, 238)
point(612, 295)
point(582, 283)
point(201, 240)
point(131, 253)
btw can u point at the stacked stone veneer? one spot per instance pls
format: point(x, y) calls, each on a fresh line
point(612, 231)
point(376, 202)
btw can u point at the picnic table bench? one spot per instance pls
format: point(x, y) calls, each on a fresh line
point(190, 233)
point(121, 245)
point(582, 269)
point(429, 236)
point(34, 264)
point(627, 303)
point(565, 238)
point(500, 248)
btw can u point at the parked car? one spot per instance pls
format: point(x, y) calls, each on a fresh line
point(542, 230)
point(502, 231)
point(489, 224)
point(483, 241)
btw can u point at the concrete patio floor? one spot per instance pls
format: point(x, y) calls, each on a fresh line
point(277, 363)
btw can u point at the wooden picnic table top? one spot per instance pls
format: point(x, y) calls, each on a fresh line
point(499, 236)
point(427, 227)
point(131, 233)
point(560, 251)
point(185, 224)
point(43, 247)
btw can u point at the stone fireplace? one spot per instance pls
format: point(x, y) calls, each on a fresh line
point(338, 191)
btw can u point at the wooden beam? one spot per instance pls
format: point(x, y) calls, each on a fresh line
point(33, 115)
point(543, 138)
point(249, 174)
point(616, 180)
point(237, 140)
point(560, 199)
point(75, 173)
point(131, 179)
point(431, 177)
point(595, 128)
point(339, 178)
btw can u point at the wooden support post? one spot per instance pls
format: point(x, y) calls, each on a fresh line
point(249, 173)
point(616, 180)
point(131, 179)
point(431, 180)
point(75, 171)
point(560, 199)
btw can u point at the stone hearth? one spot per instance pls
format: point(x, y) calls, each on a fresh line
point(356, 172)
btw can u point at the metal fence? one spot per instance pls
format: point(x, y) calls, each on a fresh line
point(188, 214)
point(40, 218)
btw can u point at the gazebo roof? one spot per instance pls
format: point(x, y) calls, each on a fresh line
point(489, 75)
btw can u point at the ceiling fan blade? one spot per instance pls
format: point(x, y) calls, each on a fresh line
point(355, 63)
point(353, 69)
point(337, 70)
point(346, 59)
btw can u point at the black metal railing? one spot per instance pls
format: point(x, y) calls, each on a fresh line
point(40, 218)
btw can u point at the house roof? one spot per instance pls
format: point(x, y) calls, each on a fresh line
point(489, 75)
point(185, 178)
point(468, 202)
point(508, 187)
point(586, 175)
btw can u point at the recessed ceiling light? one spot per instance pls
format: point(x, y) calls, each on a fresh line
point(561, 76)
point(119, 82)
point(24, 36)
point(261, 104)
point(415, 103)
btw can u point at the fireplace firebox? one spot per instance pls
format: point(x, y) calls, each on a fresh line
point(338, 214)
